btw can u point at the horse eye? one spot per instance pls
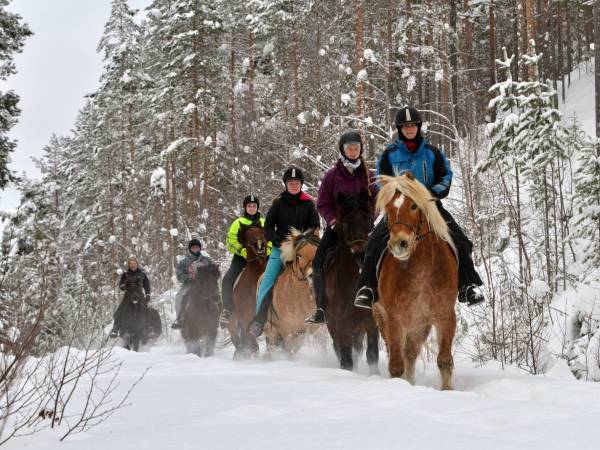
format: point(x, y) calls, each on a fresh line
point(414, 206)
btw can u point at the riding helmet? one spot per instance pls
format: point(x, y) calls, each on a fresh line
point(194, 242)
point(251, 199)
point(350, 137)
point(293, 173)
point(405, 116)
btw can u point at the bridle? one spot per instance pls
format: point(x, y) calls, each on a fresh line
point(303, 241)
point(414, 229)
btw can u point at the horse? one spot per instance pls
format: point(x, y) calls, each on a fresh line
point(252, 237)
point(418, 278)
point(292, 294)
point(347, 324)
point(201, 312)
point(138, 322)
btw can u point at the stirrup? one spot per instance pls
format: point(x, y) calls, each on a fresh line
point(365, 297)
point(225, 317)
point(255, 329)
point(177, 325)
point(471, 295)
point(317, 317)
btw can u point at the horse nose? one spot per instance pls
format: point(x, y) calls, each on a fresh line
point(403, 244)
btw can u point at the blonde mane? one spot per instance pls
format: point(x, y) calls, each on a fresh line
point(421, 196)
point(288, 247)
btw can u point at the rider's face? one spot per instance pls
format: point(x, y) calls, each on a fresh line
point(195, 249)
point(410, 130)
point(251, 208)
point(352, 151)
point(293, 186)
point(133, 264)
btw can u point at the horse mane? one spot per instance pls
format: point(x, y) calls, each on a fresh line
point(288, 247)
point(421, 196)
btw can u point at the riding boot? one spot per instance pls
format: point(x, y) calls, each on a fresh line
point(367, 294)
point(257, 325)
point(114, 332)
point(318, 284)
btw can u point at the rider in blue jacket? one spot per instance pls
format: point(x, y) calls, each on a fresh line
point(411, 152)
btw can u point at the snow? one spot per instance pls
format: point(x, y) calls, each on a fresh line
point(185, 402)
point(580, 98)
point(173, 232)
point(362, 75)
point(345, 99)
point(369, 55)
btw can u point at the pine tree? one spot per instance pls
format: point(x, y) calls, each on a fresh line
point(12, 38)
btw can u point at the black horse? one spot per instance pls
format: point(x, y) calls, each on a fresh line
point(201, 312)
point(139, 323)
point(347, 324)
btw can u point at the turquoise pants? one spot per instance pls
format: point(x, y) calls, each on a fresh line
point(272, 270)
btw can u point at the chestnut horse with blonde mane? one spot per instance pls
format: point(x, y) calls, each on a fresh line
point(418, 278)
point(252, 237)
point(292, 294)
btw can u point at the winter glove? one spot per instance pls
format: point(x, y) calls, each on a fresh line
point(192, 271)
point(244, 253)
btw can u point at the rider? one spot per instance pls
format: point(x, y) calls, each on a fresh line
point(349, 176)
point(292, 208)
point(251, 216)
point(134, 282)
point(411, 152)
point(186, 273)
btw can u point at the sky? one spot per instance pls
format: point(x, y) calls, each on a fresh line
point(58, 66)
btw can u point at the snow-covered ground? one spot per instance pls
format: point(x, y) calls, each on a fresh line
point(185, 402)
point(580, 100)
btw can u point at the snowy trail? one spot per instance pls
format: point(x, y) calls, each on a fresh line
point(188, 403)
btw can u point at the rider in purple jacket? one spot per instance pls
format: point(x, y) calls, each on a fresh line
point(348, 176)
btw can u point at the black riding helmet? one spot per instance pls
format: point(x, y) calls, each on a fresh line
point(350, 137)
point(293, 173)
point(405, 116)
point(251, 199)
point(194, 242)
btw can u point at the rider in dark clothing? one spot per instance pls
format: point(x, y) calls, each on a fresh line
point(349, 176)
point(293, 208)
point(134, 282)
point(411, 152)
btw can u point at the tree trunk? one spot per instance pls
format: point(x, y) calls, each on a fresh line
point(359, 49)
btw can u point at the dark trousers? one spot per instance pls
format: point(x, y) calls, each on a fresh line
point(328, 241)
point(379, 238)
point(237, 265)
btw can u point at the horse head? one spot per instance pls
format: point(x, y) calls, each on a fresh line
point(354, 220)
point(252, 237)
point(299, 249)
point(411, 214)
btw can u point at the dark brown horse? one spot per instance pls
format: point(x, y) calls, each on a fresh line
point(201, 312)
point(348, 325)
point(418, 281)
point(252, 237)
point(138, 323)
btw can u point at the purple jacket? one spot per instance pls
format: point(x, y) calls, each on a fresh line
point(339, 179)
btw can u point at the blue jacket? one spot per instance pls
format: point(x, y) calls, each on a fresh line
point(428, 164)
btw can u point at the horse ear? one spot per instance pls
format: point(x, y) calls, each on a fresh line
point(341, 197)
point(241, 233)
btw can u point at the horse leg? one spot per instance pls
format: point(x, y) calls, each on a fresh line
point(346, 362)
point(357, 345)
point(210, 343)
point(373, 350)
point(445, 331)
point(412, 349)
point(394, 340)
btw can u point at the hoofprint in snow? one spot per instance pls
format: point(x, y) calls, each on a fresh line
point(185, 402)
